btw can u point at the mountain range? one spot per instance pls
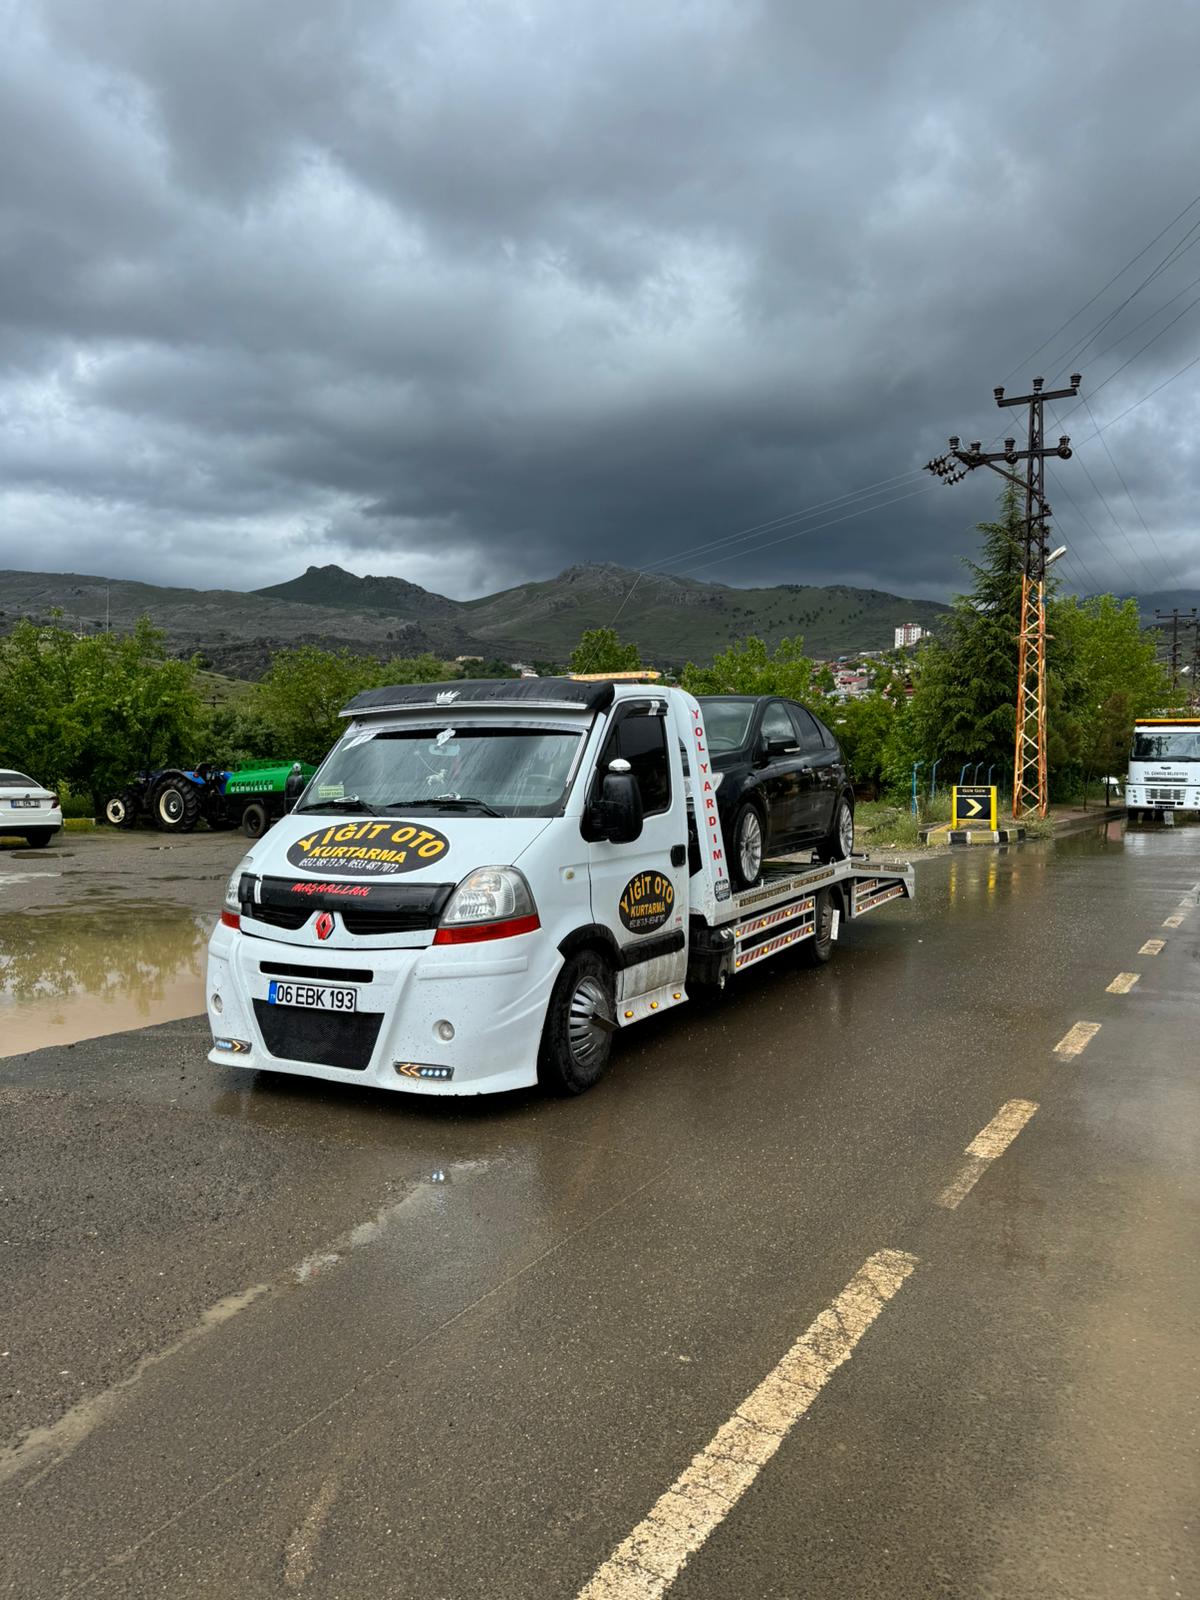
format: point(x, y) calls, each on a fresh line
point(671, 619)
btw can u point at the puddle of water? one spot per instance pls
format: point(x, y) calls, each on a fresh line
point(78, 972)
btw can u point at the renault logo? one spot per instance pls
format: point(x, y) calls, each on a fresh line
point(324, 925)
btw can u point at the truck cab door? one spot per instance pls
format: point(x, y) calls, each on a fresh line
point(639, 890)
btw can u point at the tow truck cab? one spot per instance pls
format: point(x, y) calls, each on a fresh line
point(485, 881)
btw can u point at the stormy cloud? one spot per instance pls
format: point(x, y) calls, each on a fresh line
point(469, 292)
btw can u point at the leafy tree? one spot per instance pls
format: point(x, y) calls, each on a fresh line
point(492, 668)
point(303, 694)
point(863, 728)
point(601, 650)
point(91, 712)
point(1112, 678)
point(748, 667)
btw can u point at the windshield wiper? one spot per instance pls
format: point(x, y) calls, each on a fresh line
point(344, 802)
point(445, 802)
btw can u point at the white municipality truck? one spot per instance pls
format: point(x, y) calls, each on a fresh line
point(1164, 766)
point(485, 881)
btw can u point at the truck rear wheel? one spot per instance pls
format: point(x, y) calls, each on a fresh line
point(815, 952)
point(577, 1036)
point(175, 806)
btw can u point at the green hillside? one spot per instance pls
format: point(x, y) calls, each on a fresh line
point(677, 619)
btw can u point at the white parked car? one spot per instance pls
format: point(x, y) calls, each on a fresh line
point(28, 809)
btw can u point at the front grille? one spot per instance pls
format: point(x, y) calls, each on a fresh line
point(324, 1038)
point(364, 909)
point(367, 922)
point(278, 916)
point(1165, 796)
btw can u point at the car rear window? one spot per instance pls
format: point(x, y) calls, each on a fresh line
point(17, 780)
point(808, 729)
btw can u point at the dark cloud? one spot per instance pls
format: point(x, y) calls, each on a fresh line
point(472, 292)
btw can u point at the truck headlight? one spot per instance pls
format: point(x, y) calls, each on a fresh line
point(490, 903)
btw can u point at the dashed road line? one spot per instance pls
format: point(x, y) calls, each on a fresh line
point(983, 1149)
point(644, 1565)
point(1152, 947)
point(1077, 1039)
point(1122, 983)
point(1174, 921)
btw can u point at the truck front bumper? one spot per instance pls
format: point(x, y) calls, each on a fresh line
point(439, 1020)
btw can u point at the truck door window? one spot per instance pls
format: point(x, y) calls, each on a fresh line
point(641, 740)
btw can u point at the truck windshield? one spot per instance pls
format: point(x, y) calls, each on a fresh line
point(1183, 745)
point(507, 771)
point(726, 722)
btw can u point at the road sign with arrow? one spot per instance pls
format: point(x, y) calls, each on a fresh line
point(974, 803)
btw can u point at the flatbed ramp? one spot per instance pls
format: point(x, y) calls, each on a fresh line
point(785, 909)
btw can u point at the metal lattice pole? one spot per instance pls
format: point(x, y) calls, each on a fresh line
point(1031, 791)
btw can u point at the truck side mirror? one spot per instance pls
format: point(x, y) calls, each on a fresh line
point(293, 787)
point(621, 804)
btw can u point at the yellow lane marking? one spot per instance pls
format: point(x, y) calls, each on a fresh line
point(1174, 921)
point(1122, 983)
point(983, 1149)
point(1152, 947)
point(1076, 1039)
point(644, 1565)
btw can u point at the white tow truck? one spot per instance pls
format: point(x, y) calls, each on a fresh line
point(485, 881)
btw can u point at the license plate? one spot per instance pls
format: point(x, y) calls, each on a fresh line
point(312, 996)
point(26, 803)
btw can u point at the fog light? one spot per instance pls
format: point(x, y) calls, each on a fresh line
point(217, 1004)
point(444, 1030)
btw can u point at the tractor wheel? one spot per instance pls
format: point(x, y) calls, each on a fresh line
point(122, 810)
point(254, 820)
point(175, 805)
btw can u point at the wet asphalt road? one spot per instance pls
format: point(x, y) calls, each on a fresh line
point(270, 1337)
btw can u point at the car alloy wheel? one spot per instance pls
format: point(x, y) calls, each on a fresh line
point(750, 846)
point(846, 829)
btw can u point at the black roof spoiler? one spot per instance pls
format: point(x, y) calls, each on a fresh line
point(462, 693)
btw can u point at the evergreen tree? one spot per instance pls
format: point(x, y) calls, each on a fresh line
point(966, 682)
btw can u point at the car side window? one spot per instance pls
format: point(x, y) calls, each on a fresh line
point(641, 740)
point(808, 730)
point(827, 738)
point(777, 725)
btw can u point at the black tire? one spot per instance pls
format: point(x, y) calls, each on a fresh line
point(574, 1051)
point(122, 810)
point(255, 821)
point(746, 858)
point(39, 838)
point(175, 805)
point(815, 952)
point(838, 843)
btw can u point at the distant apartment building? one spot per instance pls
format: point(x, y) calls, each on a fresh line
point(908, 633)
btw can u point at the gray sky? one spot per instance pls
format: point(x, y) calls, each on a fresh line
point(471, 291)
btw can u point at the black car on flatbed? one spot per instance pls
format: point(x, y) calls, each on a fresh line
point(783, 782)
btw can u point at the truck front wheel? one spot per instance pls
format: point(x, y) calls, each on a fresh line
point(577, 1036)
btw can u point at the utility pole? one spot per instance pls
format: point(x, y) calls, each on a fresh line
point(1030, 787)
point(1188, 619)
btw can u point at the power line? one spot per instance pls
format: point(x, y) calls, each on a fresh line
point(1128, 491)
point(1176, 253)
point(927, 489)
point(1075, 314)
